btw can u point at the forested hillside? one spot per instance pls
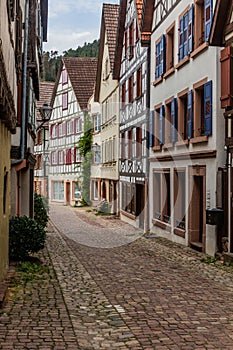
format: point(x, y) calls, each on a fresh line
point(52, 60)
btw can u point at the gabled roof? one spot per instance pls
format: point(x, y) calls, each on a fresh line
point(109, 25)
point(46, 91)
point(82, 75)
point(139, 4)
point(220, 21)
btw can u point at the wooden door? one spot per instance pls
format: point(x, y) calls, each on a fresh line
point(68, 193)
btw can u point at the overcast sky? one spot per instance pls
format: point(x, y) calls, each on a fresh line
point(71, 23)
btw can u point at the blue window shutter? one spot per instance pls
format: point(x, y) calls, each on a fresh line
point(185, 33)
point(208, 7)
point(163, 55)
point(162, 125)
point(151, 129)
point(181, 39)
point(208, 108)
point(157, 53)
point(190, 29)
point(174, 120)
point(190, 114)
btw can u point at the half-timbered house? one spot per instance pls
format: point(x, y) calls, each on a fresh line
point(131, 68)
point(186, 140)
point(107, 94)
point(222, 35)
point(72, 91)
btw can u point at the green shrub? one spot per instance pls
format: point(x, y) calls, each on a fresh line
point(26, 236)
point(40, 210)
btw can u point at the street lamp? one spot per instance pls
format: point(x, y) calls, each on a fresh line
point(45, 112)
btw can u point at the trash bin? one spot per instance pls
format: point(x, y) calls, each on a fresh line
point(215, 216)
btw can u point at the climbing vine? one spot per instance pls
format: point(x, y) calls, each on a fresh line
point(84, 146)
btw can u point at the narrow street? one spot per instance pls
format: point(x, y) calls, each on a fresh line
point(109, 288)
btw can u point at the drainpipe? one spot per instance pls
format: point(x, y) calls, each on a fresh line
point(147, 207)
point(24, 87)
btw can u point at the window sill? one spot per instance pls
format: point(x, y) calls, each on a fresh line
point(199, 139)
point(162, 225)
point(183, 62)
point(169, 72)
point(157, 81)
point(179, 232)
point(167, 146)
point(128, 215)
point(156, 148)
point(199, 50)
point(182, 143)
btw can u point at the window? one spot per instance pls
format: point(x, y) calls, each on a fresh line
point(38, 162)
point(130, 148)
point(77, 155)
point(126, 42)
point(171, 121)
point(95, 190)
point(139, 82)
point(185, 114)
point(70, 127)
point(130, 89)
point(160, 53)
point(162, 195)
point(179, 198)
point(186, 34)
point(68, 156)
point(130, 48)
point(123, 94)
point(123, 145)
point(60, 157)
point(203, 109)
point(97, 154)
point(139, 142)
point(170, 47)
point(78, 125)
point(97, 122)
point(58, 190)
point(64, 77)
point(203, 19)
point(54, 157)
point(65, 101)
point(128, 196)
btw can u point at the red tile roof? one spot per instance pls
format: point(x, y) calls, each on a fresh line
point(82, 74)
point(110, 18)
point(46, 91)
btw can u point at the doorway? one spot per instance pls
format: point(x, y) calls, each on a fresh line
point(140, 198)
point(197, 208)
point(68, 193)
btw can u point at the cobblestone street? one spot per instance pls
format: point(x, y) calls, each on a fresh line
point(107, 287)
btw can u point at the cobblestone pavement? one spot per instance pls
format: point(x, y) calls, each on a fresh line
point(109, 288)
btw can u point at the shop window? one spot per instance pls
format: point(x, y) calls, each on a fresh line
point(162, 195)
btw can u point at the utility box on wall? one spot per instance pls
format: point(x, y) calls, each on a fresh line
point(226, 77)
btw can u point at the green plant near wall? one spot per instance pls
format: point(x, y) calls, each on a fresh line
point(40, 210)
point(84, 146)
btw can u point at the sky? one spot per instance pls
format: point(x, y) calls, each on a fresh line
point(71, 23)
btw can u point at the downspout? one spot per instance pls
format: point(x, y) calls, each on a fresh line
point(147, 207)
point(24, 87)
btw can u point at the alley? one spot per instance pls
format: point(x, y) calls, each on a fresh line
point(110, 288)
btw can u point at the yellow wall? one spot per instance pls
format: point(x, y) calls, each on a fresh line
point(5, 144)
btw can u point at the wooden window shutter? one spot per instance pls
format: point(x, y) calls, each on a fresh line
point(208, 18)
point(157, 54)
point(226, 77)
point(181, 35)
point(208, 108)
point(190, 114)
point(174, 120)
point(162, 125)
point(151, 129)
point(185, 33)
point(163, 55)
point(190, 29)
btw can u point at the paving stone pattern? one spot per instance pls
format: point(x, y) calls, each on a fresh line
point(109, 288)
